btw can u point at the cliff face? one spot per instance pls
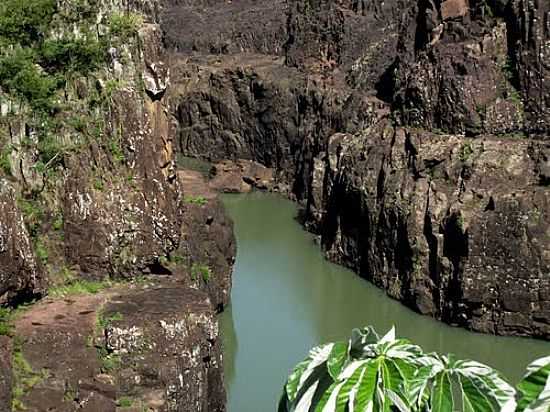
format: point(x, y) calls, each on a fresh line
point(89, 195)
point(413, 133)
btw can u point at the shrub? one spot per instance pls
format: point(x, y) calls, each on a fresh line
point(25, 21)
point(124, 25)
point(373, 373)
point(72, 55)
point(201, 271)
point(20, 76)
point(5, 160)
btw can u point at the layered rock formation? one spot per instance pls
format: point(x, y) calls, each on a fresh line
point(413, 133)
point(94, 195)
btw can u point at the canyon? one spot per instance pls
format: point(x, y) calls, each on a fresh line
point(412, 133)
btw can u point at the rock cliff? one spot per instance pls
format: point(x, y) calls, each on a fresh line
point(93, 216)
point(413, 133)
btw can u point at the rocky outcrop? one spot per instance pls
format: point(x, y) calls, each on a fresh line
point(169, 350)
point(95, 196)
point(6, 377)
point(412, 133)
point(151, 345)
point(211, 26)
point(21, 276)
point(456, 229)
point(531, 53)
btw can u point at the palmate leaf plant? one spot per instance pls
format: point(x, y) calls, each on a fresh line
point(373, 373)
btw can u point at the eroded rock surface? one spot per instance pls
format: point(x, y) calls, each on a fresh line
point(168, 343)
point(21, 276)
point(153, 345)
point(414, 136)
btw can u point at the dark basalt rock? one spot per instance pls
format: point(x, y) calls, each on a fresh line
point(21, 276)
point(369, 129)
point(169, 348)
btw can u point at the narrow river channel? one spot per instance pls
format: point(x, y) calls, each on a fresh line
point(287, 298)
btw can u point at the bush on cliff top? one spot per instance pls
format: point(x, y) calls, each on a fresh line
point(379, 374)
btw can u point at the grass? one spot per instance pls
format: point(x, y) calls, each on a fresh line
point(195, 200)
point(125, 402)
point(6, 326)
point(25, 378)
point(109, 361)
point(104, 322)
point(201, 271)
point(79, 287)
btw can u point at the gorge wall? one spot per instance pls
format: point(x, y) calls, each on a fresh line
point(90, 199)
point(413, 133)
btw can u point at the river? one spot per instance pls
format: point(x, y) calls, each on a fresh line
point(287, 298)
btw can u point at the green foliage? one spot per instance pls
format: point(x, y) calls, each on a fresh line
point(378, 374)
point(25, 21)
point(6, 326)
point(195, 200)
point(466, 151)
point(5, 161)
point(58, 222)
point(74, 286)
point(78, 55)
point(20, 76)
point(98, 184)
point(109, 361)
point(116, 150)
point(41, 251)
point(533, 387)
point(125, 402)
point(105, 321)
point(124, 25)
point(33, 214)
point(199, 271)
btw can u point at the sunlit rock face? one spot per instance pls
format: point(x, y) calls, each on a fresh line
point(413, 134)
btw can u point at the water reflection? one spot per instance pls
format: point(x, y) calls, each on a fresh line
point(287, 298)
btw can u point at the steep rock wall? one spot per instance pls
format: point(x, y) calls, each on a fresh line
point(417, 162)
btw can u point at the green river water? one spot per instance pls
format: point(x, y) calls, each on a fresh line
point(287, 298)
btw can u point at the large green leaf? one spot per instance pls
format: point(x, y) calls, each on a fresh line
point(535, 387)
point(337, 359)
point(441, 399)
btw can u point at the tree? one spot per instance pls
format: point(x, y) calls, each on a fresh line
point(370, 373)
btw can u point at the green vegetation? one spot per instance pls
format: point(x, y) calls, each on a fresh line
point(195, 200)
point(33, 214)
point(5, 161)
point(466, 151)
point(43, 48)
point(125, 25)
point(116, 150)
point(199, 271)
point(6, 326)
point(104, 322)
point(41, 251)
point(98, 184)
point(79, 287)
point(109, 361)
point(379, 374)
point(25, 21)
point(25, 378)
point(125, 402)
